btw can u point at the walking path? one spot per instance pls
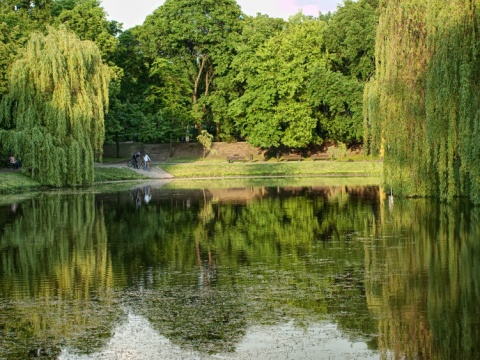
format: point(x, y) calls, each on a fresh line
point(155, 173)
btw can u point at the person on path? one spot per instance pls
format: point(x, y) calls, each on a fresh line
point(135, 158)
point(146, 162)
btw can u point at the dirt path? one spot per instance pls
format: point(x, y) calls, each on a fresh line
point(155, 173)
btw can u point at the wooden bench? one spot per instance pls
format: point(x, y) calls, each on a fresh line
point(321, 156)
point(235, 157)
point(289, 157)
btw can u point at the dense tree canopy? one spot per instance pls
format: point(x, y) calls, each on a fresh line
point(336, 92)
point(233, 72)
point(274, 109)
point(17, 20)
point(88, 20)
point(305, 85)
point(272, 82)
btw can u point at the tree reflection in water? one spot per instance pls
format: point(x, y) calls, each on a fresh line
point(211, 270)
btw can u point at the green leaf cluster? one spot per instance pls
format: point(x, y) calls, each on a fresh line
point(88, 20)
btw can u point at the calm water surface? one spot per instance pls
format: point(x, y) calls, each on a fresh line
point(249, 272)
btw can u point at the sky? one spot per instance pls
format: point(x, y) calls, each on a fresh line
point(132, 13)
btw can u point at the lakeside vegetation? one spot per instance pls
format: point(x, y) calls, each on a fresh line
point(16, 181)
point(374, 74)
point(108, 174)
point(370, 171)
point(422, 104)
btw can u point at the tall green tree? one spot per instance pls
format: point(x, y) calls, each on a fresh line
point(350, 38)
point(130, 57)
point(53, 115)
point(127, 90)
point(18, 19)
point(274, 109)
point(151, 99)
point(235, 67)
point(422, 106)
point(336, 90)
point(87, 19)
point(452, 99)
point(8, 51)
point(34, 14)
point(168, 100)
point(192, 33)
point(305, 85)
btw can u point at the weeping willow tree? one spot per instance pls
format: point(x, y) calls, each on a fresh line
point(53, 115)
point(395, 103)
point(422, 107)
point(453, 98)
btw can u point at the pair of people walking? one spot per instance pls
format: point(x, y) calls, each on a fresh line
point(146, 161)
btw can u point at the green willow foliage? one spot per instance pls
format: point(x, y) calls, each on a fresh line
point(53, 115)
point(421, 110)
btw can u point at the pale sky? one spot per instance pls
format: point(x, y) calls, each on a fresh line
point(132, 13)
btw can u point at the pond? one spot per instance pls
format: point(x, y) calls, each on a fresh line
point(163, 271)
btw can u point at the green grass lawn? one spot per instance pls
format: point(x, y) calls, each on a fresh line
point(13, 181)
point(106, 174)
point(295, 168)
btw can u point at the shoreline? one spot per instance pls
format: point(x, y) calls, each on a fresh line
point(105, 174)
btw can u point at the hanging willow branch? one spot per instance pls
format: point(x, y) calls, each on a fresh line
point(54, 111)
point(422, 108)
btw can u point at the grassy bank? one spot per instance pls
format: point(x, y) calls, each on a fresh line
point(191, 183)
point(12, 181)
point(107, 174)
point(306, 168)
point(17, 182)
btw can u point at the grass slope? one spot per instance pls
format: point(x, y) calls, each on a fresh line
point(307, 168)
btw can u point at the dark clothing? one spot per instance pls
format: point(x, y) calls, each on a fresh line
point(13, 162)
point(135, 157)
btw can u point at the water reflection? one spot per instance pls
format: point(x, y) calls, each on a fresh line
point(136, 339)
point(427, 302)
point(246, 272)
point(141, 195)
